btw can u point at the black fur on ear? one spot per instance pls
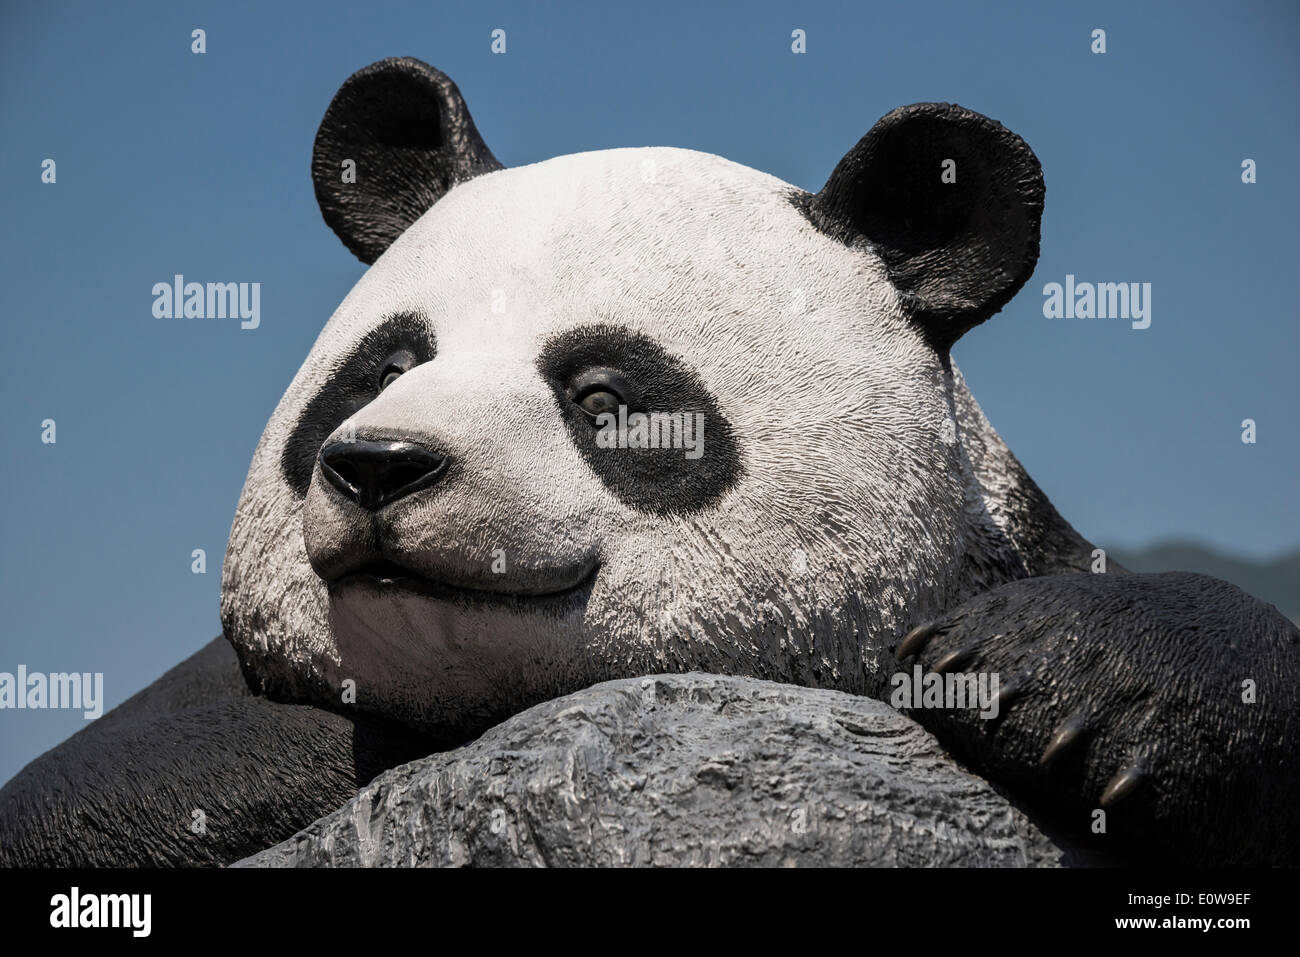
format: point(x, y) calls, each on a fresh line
point(957, 251)
point(407, 128)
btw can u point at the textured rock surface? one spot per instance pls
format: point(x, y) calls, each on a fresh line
point(680, 770)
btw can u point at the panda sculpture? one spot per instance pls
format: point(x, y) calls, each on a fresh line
point(437, 531)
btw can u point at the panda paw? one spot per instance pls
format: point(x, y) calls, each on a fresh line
point(1142, 717)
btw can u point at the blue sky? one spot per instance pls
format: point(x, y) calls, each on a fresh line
point(170, 162)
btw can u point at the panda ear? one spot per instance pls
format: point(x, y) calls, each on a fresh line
point(959, 238)
point(406, 128)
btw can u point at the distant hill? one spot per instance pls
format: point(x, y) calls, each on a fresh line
point(1275, 580)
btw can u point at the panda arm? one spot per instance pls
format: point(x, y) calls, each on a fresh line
point(1168, 702)
point(123, 791)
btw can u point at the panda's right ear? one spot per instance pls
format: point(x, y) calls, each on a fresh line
point(396, 137)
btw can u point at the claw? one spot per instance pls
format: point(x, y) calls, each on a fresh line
point(1064, 737)
point(1009, 693)
point(953, 660)
point(916, 639)
point(1122, 785)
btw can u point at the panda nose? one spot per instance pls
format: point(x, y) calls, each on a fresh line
point(372, 474)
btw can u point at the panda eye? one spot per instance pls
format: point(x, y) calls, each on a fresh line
point(598, 400)
point(600, 390)
point(401, 361)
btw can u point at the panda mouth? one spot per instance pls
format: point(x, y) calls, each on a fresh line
point(386, 576)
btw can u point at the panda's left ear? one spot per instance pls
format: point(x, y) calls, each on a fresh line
point(409, 138)
point(951, 201)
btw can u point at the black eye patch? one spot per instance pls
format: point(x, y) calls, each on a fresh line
point(402, 342)
point(650, 381)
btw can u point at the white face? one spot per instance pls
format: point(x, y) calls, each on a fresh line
point(824, 515)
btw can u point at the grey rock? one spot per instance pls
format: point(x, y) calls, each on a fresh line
point(681, 770)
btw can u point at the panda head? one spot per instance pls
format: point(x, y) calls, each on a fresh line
point(459, 504)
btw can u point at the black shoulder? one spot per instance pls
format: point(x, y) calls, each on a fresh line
point(193, 770)
point(208, 676)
